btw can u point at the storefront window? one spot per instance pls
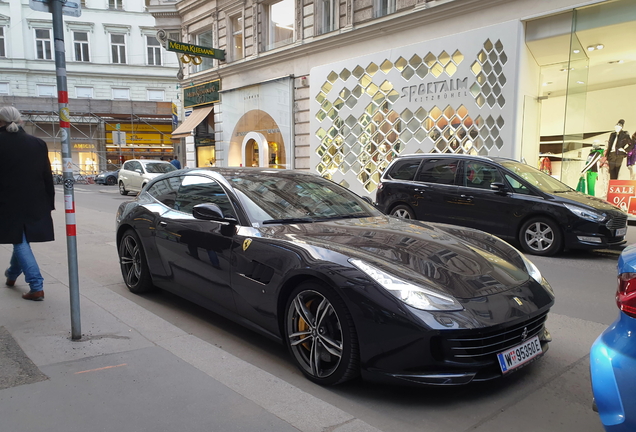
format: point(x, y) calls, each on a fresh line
point(206, 156)
point(587, 84)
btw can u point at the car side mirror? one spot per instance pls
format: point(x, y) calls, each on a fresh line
point(138, 170)
point(367, 199)
point(499, 187)
point(210, 212)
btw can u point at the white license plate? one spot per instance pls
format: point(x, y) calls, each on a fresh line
point(521, 354)
point(621, 232)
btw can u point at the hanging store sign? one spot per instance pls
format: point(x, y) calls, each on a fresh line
point(203, 142)
point(201, 94)
point(195, 50)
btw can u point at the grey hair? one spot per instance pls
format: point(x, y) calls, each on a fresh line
point(12, 117)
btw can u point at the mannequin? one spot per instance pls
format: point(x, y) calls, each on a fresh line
point(618, 146)
point(592, 167)
point(631, 159)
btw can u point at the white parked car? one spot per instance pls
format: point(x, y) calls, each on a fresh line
point(135, 173)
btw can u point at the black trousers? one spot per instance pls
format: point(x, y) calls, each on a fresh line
point(615, 161)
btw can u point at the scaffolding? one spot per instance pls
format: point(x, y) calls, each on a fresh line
point(92, 122)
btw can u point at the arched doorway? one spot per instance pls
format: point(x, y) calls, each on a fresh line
point(257, 141)
point(255, 150)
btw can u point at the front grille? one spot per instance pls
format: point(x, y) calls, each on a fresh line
point(617, 222)
point(478, 346)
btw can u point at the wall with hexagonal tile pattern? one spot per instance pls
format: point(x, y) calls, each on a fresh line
point(450, 95)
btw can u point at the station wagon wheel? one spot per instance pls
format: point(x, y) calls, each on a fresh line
point(541, 236)
point(132, 261)
point(122, 188)
point(320, 335)
point(111, 180)
point(403, 211)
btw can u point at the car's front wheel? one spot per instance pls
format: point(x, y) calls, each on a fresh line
point(132, 261)
point(111, 181)
point(403, 211)
point(541, 236)
point(320, 334)
point(122, 188)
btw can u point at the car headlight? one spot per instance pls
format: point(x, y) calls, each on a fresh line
point(535, 274)
point(586, 214)
point(413, 295)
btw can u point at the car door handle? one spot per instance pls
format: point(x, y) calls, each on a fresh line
point(163, 224)
point(467, 197)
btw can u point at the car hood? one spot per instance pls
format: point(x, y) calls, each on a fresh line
point(575, 197)
point(463, 262)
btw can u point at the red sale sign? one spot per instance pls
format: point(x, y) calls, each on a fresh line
point(622, 193)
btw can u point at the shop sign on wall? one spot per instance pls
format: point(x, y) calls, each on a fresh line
point(81, 146)
point(622, 193)
point(201, 94)
point(195, 50)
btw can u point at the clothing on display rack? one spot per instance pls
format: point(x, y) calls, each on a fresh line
point(545, 165)
point(590, 171)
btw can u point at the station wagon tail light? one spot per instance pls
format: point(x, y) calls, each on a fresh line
point(626, 294)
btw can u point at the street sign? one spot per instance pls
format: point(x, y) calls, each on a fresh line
point(119, 138)
point(69, 8)
point(195, 50)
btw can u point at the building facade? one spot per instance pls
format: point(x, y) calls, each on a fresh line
point(119, 80)
point(342, 87)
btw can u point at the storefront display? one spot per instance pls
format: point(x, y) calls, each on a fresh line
point(257, 125)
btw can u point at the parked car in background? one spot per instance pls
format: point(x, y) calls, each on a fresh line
point(136, 173)
point(107, 178)
point(348, 290)
point(613, 355)
point(501, 196)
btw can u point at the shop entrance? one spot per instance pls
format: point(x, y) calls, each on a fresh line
point(257, 142)
point(586, 60)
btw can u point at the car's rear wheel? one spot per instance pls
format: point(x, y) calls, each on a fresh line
point(320, 334)
point(132, 261)
point(111, 181)
point(541, 236)
point(403, 211)
point(122, 188)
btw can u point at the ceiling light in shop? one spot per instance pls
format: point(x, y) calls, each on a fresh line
point(580, 82)
point(547, 83)
point(576, 51)
point(600, 46)
point(591, 48)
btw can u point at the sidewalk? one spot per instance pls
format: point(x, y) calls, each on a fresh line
point(131, 371)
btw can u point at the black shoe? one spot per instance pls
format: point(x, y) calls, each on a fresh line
point(9, 282)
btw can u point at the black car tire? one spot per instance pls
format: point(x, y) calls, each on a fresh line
point(541, 236)
point(132, 261)
point(122, 189)
point(111, 180)
point(403, 211)
point(331, 354)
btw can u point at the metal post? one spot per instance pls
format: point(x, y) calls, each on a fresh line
point(67, 163)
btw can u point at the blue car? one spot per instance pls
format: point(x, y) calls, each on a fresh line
point(613, 355)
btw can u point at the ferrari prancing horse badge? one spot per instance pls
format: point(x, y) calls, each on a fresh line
point(246, 243)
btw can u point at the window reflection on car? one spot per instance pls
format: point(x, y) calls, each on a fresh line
point(272, 199)
point(537, 178)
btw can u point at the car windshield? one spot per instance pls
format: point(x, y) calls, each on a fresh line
point(297, 198)
point(537, 178)
point(159, 167)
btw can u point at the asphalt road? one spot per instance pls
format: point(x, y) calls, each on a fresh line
point(553, 394)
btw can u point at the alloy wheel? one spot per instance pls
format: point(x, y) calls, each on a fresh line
point(539, 236)
point(130, 260)
point(315, 334)
point(402, 213)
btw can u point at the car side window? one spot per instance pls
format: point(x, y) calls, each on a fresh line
point(201, 190)
point(136, 166)
point(440, 171)
point(517, 186)
point(404, 170)
point(480, 175)
point(127, 166)
point(165, 191)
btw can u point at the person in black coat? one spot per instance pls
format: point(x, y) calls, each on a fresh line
point(27, 197)
point(618, 146)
